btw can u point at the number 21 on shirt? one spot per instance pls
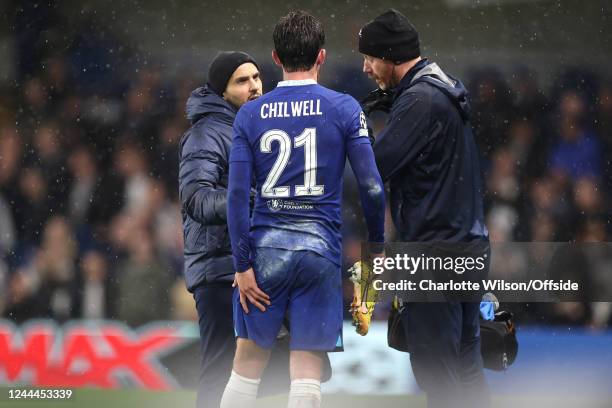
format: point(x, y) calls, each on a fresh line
point(307, 139)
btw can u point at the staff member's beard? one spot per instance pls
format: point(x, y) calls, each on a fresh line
point(392, 83)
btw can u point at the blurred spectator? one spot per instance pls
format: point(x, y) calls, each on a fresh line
point(56, 77)
point(131, 163)
point(10, 154)
point(542, 228)
point(503, 183)
point(492, 109)
point(56, 265)
point(84, 173)
point(33, 208)
point(167, 152)
point(10, 162)
point(577, 152)
point(97, 296)
point(528, 99)
point(49, 157)
point(526, 142)
point(137, 115)
point(21, 303)
point(7, 229)
point(501, 222)
point(143, 282)
point(167, 227)
point(120, 232)
point(547, 205)
point(34, 105)
point(588, 199)
point(503, 192)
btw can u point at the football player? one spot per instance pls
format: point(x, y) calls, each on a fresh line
point(294, 142)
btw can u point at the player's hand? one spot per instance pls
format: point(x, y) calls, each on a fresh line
point(364, 296)
point(248, 290)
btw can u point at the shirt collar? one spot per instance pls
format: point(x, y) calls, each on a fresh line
point(407, 79)
point(297, 82)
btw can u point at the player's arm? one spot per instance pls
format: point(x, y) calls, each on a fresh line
point(238, 213)
point(239, 223)
point(405, 135)
point(201, 168)
point(372, 193)
point(371, 188)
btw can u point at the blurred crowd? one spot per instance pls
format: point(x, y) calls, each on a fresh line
point(90, 223)
point(90, 220)
point(548, 176)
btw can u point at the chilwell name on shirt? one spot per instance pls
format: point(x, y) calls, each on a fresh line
point(291, 109)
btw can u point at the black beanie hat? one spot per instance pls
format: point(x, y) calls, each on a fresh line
point(223, 66)
point(390, 36)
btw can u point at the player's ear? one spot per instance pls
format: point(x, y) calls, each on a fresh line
point(321, 56)
point(277, 60)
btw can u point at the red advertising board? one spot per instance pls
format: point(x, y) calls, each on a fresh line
point(103, 354)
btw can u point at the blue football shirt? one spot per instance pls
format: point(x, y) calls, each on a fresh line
point(296, 139)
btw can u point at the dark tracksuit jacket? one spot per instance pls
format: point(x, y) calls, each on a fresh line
point(428, 155)
point(203, 172)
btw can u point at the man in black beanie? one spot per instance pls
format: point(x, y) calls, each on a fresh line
point(233, 80)
point(427, 154)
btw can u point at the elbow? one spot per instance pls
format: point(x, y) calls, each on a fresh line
point(187, 199)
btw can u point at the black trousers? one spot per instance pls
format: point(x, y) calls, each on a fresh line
point(214, 304)
point(444, 343)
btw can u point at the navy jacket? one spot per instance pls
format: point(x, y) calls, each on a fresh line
point(203, 172)
point(428, 154)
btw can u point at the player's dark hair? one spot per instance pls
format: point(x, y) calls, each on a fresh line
point(298, 37)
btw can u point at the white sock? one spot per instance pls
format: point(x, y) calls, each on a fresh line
point(240, 392)
point(305, 393)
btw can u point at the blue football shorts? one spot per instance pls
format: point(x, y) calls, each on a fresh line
point(305, 290)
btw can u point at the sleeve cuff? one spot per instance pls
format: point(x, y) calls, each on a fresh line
point(241, 266)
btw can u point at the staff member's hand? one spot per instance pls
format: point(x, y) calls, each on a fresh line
point(248, 289)
point(377, 100)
